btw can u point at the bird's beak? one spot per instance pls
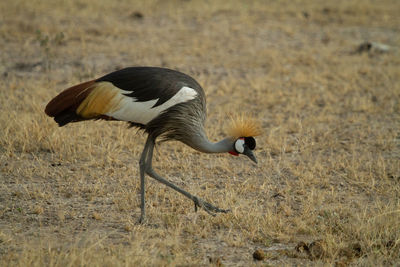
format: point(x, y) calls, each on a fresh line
point(248, 152)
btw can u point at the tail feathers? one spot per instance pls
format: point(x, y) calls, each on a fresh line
point(66, 117)
point(63, 106)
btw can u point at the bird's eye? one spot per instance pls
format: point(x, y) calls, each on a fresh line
point(239, 145)
point(250, 142)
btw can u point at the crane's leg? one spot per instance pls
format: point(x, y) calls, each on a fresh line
point(142, 165)
point(209, 208)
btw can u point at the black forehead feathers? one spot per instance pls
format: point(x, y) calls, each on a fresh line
point(250, 142)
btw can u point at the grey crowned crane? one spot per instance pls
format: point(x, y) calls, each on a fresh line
point(164, 103)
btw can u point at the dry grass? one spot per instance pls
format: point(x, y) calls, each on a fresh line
point(329, 156)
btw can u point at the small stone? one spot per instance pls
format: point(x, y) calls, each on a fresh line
point(258, 255)
point(372, 47)
point(136, 15)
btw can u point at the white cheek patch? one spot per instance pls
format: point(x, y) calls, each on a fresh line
point(239, 145)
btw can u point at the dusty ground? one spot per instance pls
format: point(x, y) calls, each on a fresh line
point(327, 186)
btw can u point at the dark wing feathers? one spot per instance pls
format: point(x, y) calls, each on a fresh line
point(148, 83)
point(142, 83)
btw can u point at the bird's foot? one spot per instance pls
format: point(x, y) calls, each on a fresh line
point(209, 208)
point(142, 219)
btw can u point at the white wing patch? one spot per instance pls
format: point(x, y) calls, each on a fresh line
point(143, 112)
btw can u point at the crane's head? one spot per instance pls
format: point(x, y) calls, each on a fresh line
point(243, 130)
point(245, 146)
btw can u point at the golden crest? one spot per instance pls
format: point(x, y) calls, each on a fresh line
point(243, 126)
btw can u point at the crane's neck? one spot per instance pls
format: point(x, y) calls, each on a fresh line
point(204, 145)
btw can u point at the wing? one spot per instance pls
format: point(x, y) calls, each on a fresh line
point(149, 83)
point(137, 95)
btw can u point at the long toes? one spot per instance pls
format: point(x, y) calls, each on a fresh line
point(222, 210)
point(216, 209)
point(209, 208)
